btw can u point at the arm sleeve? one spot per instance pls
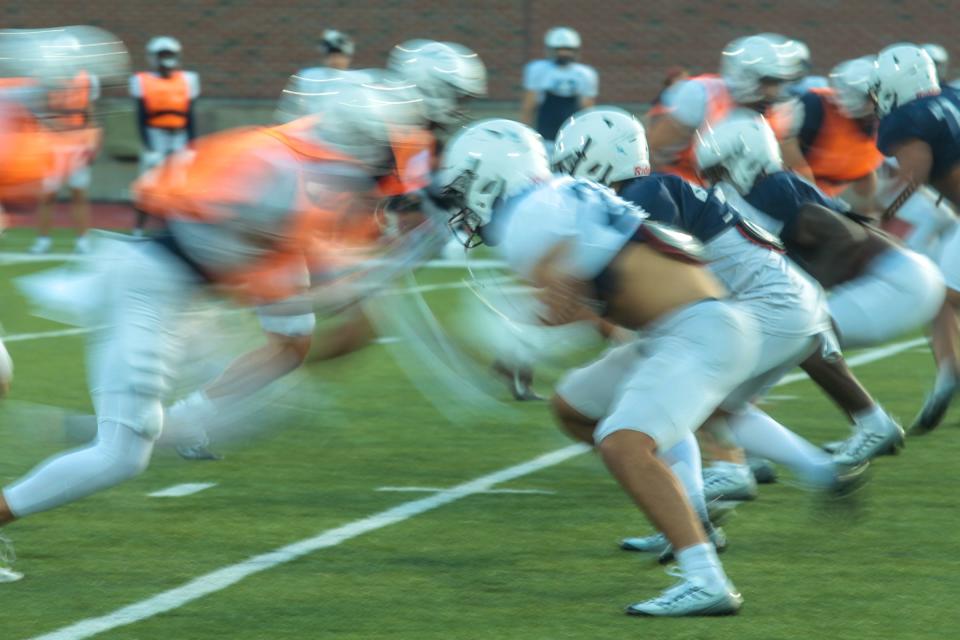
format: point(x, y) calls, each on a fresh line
point(808, 118)
point(591, 83)
point(687, 103)
point(142, 123)
point(530, 76)
point(191, 122)
point(134, 87)
point(194, 81)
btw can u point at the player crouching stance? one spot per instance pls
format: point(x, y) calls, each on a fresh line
point(591, 253)
point(879, 290)
point(247, 232)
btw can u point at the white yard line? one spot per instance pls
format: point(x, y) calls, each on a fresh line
point(223, 578)
point(541, 492)
point(180, 490)
point(29, 258)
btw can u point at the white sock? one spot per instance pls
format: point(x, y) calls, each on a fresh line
point(946, 376)
point(764, 437)
point(872, 419)
point(700, 562)
point(684, 461)
point(186, 419)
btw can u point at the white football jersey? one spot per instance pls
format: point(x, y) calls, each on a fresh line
point(590, 218)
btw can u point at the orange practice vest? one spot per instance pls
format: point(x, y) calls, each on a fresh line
point(34, 159)
point(232, 168)
point(719, 105)
point(70, 105)
point(167, 100)
point(841, 152)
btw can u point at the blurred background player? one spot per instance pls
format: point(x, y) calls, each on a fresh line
point(558, 86)
point(70, 107)
point(754, 72)
point(837, 129)
point(305, 87)
point(165, 97)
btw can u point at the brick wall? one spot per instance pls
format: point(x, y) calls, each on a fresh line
point(246, 48)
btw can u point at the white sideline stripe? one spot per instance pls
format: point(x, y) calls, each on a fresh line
point(180, 490)
point(223, 578)
point(542, 492)
point(865, 357)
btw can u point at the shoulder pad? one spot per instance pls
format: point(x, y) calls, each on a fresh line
point(672, 241)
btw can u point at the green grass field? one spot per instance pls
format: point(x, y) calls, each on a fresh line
point(490, 565)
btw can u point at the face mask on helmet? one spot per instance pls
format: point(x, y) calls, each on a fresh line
point(168, 60)
point(564, 57)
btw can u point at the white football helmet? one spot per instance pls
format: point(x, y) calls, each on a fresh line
point(444, 72)
point(747, 61)
point(562, 38)
point(851, 81)
point(903, 73)
point(603, 144)
point(53, 55)
point(738, 150)
point(334, 41)
point(163, 44)
point(362, 114)
point(485, 162)
point(940, 57)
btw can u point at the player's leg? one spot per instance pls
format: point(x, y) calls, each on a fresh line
point(79, 184)
point(43, 241)
point(875, 432)
point(288, 339)
point(675, 385)
point(945, 340)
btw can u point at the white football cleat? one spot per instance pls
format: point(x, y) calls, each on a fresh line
point(41, 245)
point(866, 444)
point(729, 482)
point(7, 558)
point(690, 597)
point(655, 543)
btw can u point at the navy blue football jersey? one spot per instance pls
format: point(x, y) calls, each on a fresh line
point(933, 119)
point(781, 195)
point(673, 201)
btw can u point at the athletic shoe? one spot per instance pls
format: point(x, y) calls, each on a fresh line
point(716, 535)
point(645, 544)
point(763, 470)
point(728, 482)
point(41, 245)
point(935, 407)
point(849, 479)
point(519, 380)
point(7, 558)
point(197, 452)
point(690, 597)
point(82, 245)
point(866, 444)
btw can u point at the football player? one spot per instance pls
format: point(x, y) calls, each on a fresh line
point(753, 74)
point(591, 253)
point(242, 213)
point(920, 128)
point(867, 273)
point(558, 86)
point(608, 145)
